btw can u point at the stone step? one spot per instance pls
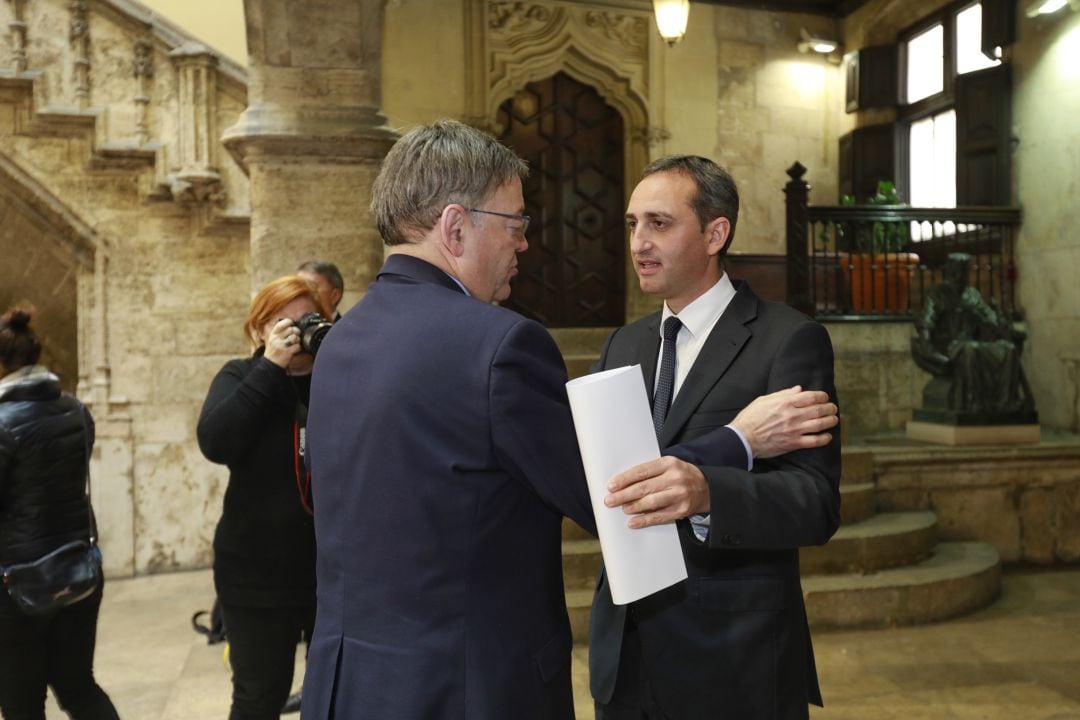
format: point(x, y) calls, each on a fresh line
point(581, 562)
point(857, 503)
point(579, 607)
point(579, 365)
point(957, 578)
point(883, 541)
point(572, 531)
point(856, 466)
point(586, 341)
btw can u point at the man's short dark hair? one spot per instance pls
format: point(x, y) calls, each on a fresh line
point(717, 196)
point(327, 269)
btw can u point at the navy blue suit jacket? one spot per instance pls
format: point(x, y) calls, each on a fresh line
point(731, 641)
point(443, 460)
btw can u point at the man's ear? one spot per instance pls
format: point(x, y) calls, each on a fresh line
point(717, 233)
point(450, 224)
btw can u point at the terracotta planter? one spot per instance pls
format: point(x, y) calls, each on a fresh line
point(879, 282)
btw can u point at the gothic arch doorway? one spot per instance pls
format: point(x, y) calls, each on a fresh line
point(573, 274)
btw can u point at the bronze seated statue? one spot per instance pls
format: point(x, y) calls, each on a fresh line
point(973, 352)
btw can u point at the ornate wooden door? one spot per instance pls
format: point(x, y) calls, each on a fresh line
point(573, 273)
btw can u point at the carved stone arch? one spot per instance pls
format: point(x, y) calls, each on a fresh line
point(607, 46)
point(511, 44)
point(615, 90)
point(65, 247)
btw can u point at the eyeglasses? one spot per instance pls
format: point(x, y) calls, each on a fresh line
point(523, 219)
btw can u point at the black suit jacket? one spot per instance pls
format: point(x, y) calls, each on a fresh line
point(732, 641)
point(443, 460)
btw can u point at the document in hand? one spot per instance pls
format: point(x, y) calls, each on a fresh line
point(615, 432)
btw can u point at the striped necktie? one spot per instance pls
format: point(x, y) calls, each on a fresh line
point(666, 382)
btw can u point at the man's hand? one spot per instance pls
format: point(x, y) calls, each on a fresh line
point(786, 420)
point(659, 491)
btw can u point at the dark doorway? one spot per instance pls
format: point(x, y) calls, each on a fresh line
point(573, 273)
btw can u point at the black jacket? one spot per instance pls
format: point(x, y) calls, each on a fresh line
point(264, 547)
point(45, 438)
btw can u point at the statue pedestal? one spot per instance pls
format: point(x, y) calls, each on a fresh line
point(943, 434)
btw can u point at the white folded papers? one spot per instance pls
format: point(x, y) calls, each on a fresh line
point(615, 432)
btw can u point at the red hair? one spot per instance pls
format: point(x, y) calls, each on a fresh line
point(272, 299)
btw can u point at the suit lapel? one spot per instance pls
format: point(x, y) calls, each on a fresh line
point(648, 350)
point(724, 343)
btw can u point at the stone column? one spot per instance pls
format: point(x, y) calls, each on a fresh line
point(313, 136)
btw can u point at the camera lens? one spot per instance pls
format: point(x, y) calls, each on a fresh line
point(313, 328)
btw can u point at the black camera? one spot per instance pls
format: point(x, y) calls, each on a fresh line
point(313, 328)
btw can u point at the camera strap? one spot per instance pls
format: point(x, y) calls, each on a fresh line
point(303, 474)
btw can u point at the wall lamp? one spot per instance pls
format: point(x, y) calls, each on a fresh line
point(671, 17)
point(815, 43)
point(1047, 7)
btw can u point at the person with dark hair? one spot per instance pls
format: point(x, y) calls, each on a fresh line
point(327, 278)
point(45, 442)
point(733, 640)
point(253, 421)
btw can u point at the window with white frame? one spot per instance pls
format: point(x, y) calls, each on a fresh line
point(938, 50)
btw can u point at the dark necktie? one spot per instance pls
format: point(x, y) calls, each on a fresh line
point(666, 382)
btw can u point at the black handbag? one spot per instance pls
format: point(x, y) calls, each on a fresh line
point(63, 577)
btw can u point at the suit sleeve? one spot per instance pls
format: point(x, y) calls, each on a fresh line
point(792, 500)
point(719, 447)
point(532, 429)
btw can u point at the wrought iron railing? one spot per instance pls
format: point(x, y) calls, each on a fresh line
point(878, 262)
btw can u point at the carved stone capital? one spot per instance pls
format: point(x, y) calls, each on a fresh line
point(650, 136)
point(333, 134)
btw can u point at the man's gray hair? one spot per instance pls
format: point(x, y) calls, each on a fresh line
point(433, 166)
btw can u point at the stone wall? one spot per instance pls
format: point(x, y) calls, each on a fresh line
point(877, 382)
point(114, 225)
point(1023, 500)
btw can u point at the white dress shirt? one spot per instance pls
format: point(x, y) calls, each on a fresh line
point(698, 320)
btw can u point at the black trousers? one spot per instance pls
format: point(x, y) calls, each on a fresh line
point(55, 651)
point(632, 698)
point(262, 653)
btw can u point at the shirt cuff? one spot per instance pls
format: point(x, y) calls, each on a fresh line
point(746, 447)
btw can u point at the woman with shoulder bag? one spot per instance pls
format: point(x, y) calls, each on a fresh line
point(264, 548)
point(45, 440)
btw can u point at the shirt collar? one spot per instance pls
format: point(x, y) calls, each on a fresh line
point(701, 314)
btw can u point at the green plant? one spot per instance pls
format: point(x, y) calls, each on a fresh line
point(883, 236)
point(877, 237)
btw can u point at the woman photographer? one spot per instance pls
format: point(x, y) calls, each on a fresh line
point(45, 440)
point(264, 549)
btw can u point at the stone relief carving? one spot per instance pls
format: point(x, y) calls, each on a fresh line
point(143, 65)
point(143, 68)
point(650, 136)
point(516, 17)
point(79, 34)
point(17, 26)
point(629, 31)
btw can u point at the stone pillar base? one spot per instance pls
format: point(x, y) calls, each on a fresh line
point(972, 434)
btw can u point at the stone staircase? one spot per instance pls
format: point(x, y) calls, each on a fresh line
point(878, 570)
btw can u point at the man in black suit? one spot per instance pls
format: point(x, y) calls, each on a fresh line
point(443, 460)
point(732, 641)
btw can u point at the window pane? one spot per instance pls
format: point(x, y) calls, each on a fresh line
point(933, 167)
point(969, 56)
point(926, 64)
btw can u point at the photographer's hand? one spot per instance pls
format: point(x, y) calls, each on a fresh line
point(283, 342)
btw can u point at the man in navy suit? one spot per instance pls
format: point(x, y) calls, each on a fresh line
point(732, 641)
point(443, 460)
